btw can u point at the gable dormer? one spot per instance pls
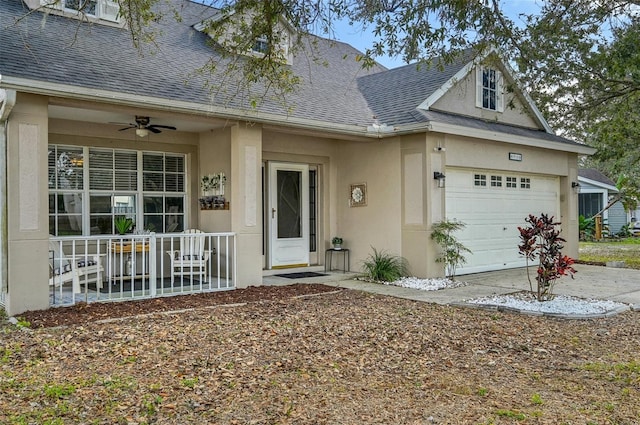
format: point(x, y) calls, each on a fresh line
point(235, 33)
point(98, 11)
point(487, 89)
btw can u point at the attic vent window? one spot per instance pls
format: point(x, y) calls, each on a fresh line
point(85, 6)
point(489, 89)
point(261, 45)
point(107, 10)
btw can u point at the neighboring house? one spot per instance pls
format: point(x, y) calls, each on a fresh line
point(596, 190)
point(374, 156)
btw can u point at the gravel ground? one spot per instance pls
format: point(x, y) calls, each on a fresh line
point(560, 304)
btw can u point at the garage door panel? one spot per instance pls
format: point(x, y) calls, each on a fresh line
point(493, 214)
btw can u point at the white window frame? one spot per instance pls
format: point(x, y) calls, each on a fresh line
point(498, 91)
point(139, 193)
point(106, 10)
point(479, 180)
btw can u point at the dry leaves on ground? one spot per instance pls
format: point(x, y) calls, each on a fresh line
point(343, 357)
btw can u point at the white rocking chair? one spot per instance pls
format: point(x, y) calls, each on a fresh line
point(64, 269)
point(192, 258)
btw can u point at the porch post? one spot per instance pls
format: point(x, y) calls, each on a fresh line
point(246, 202)
point(27, 206)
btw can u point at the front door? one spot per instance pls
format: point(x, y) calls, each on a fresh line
point(288, 215)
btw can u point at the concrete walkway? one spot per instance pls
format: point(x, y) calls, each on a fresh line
point(603, 283)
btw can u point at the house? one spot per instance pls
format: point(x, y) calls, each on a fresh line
point(374, 156)
point(596, 190)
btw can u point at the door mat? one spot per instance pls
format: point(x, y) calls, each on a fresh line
point(300, 275)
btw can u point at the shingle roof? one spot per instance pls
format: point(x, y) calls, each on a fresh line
point(394, 95)
point(595, 175)
point(56, 49)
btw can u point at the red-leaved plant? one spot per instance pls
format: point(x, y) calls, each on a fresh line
point(541, 240)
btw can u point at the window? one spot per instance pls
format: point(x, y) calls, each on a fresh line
point(479, 180)
point(107, 10)
point(66, 190)
point(148, 187)
point(496, 181)
point(489, 89)
point(589, 204)
point(512, 182)
point(525, 183)
point(313, 206)
point(261, 45)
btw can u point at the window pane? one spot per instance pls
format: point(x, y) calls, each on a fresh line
point(175, 224)
point(101, 224)
point(67, 168)
point(175, 183)
point(100, 204)
point(85, 6)
point(174, 164)
point(101, 179)
point(175, 204)
point(126, 180)
point(153, 223)
point(124, 205)
point(126, 160)
point(153, 204)
point(153, 182)
point(151, 162)
point(70, 203)
point(289, 204)
point(101, 158)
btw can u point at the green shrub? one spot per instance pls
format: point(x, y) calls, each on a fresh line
point(452, 250)
point(587, 228)
point(383, 267)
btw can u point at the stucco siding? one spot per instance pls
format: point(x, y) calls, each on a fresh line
point(461, 99)
point(376, 225)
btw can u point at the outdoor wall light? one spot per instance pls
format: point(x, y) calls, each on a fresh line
point(142, 132)
point(575, 186)
point(440, 177)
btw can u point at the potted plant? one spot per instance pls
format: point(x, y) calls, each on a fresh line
point(337, 242)
point(123, 224)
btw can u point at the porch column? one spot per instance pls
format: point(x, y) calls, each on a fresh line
point(569, 209)
point(246, 202)
point(27, 206)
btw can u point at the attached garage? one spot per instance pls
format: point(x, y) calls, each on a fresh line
point(493, 204)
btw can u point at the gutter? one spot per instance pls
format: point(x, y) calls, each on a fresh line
point(360, 131)
point(134, 100)
point(7, 101)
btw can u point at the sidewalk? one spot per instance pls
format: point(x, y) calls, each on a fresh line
point(604, 283)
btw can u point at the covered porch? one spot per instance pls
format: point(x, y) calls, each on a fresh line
point(139, 266)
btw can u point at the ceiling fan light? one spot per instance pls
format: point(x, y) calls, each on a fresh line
point(142, 132)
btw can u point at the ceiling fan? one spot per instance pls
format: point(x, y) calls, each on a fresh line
point(143, 127)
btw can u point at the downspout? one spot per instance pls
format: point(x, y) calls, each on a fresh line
point(7, 101)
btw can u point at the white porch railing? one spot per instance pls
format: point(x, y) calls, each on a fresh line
point(112, 268)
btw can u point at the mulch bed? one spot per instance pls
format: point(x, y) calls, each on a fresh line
point(84, 313)
point(339, 357)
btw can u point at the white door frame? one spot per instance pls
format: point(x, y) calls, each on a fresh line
point(285, 252)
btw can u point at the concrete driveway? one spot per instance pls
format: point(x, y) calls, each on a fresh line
point(604, 283)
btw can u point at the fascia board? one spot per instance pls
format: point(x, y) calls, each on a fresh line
point(126, 99)
point(443, 89)
point(598, 184)
point(510, 138)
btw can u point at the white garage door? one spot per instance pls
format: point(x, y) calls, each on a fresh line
point(493, 205)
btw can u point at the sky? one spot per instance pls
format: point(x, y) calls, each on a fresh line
point(362, 40)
